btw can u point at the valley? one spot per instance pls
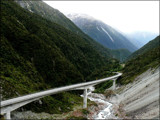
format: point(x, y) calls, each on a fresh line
point(119, 104)
point(51, 62)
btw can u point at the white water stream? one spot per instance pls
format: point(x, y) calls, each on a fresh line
point(107, 111)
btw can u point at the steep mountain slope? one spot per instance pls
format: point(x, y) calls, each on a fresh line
point(148, 58)
point(46, 11)
point(149, 46)
point(38, 54)
point(101, 32)
point(138, 91)
point(140, 99)
point(139, 39)
point(120, 54)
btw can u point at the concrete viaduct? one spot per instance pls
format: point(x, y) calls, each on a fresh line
point(12, 104)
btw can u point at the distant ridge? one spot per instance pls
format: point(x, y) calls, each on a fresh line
point(146, 48)
point(141, 60)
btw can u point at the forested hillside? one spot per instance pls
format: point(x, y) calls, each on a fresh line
point(120, 54)
point(38, 54)
point(54, 15)
point(149, 46)
point(44, 10)
point(148, 58)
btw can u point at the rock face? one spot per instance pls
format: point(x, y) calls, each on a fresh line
point(140, 99)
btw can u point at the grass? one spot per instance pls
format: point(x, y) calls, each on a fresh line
point(100, 88)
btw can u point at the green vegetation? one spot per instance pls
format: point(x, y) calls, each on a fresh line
point(54, 15)
point(18, 75)
point(103, 73)
point(147, 59)
point(76, 118)
point(85, 111)
point(51, 14)
point(120, 54)
point(100, 88)
point(149, 46)
point(46, 11)
point(38, 54)
point(56, 104)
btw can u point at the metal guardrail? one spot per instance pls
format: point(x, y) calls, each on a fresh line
point(9, 105)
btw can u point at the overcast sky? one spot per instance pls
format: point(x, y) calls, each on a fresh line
point(126, 16)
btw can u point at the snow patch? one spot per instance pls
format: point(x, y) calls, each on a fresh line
point(74, 16)
point(98, 28)
point(107, 34)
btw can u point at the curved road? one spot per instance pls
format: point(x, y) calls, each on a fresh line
point(9, 105)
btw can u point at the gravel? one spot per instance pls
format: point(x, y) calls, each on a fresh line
point(140, 99)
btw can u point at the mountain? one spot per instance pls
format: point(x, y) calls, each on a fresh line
point(54, 15)
point(38, 54)
point(101, 32)
point(143, 59)
point(44, 10)
point(139, 39)
point(149, 46)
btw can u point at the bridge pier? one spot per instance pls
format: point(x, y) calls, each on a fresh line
point(114, 84)
point(7, 116)
point(12, 104)
point(85, 98)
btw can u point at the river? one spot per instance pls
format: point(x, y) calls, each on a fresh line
point(106, 110)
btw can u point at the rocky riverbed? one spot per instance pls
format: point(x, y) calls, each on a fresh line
point(105, 109)
point(137, 100)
